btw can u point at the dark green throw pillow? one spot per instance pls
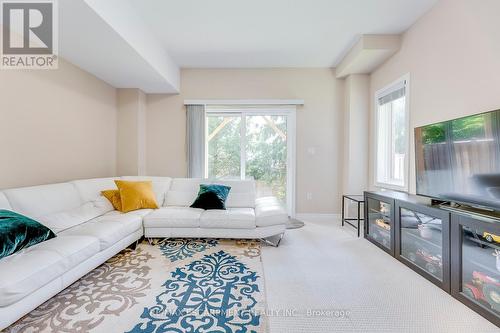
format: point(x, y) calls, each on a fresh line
point(212, 196)
point(19, 232)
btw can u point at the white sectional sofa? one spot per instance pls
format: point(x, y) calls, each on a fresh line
point(89, 231)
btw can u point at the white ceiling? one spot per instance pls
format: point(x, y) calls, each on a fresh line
point(142, 43)
point(115, 46)
point(271, 33)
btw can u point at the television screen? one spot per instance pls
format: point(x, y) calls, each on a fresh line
point(459, 160)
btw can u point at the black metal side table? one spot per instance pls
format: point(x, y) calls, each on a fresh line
point(358, 199)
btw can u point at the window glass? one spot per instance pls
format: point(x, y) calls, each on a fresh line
point(223, 143)
point(392, 137)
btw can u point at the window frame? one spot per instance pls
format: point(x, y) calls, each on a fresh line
point(262, 110)
point(405, 80)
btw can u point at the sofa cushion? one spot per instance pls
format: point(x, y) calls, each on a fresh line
point(18, 232)
point(63, 220)
point(4, 203)
point(90, 189)
point(231, 218)
point(242, 192)
point(42, 200)
point(34, 267)
point(161, 185)
point(109, 229)
point(139, 212)
point(73, 249)
point(269, 211)
point(174, 217)
point(183, 192)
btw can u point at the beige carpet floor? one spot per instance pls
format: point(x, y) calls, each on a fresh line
point(325, 267)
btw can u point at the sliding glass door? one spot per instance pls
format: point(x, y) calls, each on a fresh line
point(223, 147)
point(253, 145)
point(266, 154)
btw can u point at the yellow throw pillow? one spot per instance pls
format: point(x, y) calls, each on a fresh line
point(136, 195)
point(114, 197)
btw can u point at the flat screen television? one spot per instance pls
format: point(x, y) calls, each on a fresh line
point(459, 160)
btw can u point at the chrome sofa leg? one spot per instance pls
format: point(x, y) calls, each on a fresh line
point(157, 241)
point(276, 244)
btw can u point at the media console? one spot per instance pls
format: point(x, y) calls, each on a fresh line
point(458, 251)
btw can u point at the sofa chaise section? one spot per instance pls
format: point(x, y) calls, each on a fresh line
point(36, 266)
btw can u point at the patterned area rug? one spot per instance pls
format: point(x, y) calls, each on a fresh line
point(180, 285)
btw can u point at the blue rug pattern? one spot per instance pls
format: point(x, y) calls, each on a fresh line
point(212, 294)
point(182, 248)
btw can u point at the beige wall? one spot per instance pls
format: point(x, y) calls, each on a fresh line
point(319, 124)
point(55, 125)
point(356, 114)
point(131, 127)
point(453, 57)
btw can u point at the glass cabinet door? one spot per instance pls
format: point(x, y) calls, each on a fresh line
point(379, 222)
point(422, 241)
point(481, 267)
point(475, 262)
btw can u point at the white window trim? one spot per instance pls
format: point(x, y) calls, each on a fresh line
point(285, 110)
point(379, 93)
point(239, 102)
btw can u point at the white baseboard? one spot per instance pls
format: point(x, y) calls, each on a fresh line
point(317, 217)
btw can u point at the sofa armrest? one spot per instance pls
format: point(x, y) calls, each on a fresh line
point(269, 211)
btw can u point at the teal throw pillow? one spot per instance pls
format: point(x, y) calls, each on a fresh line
point(212, 196)
point(19, 232)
